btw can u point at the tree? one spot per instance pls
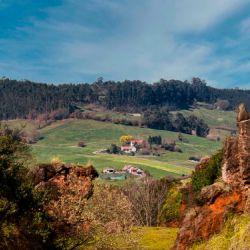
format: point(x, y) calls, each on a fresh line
point(110, 219)
point(180, 137)
point(114, 149)
point(158, 119)
point(157, 140)
point(200, 127)
point(126, 139)
point(21, 213)
point(147, 197)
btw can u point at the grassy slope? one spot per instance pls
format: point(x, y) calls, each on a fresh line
point(61, 138)
point(156, 238)
point(235, 235)
point(214, 118)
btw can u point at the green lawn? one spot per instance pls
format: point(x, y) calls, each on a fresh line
point(61, 138)
point(156, 238)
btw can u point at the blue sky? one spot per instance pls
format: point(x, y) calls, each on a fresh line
point(59, 41)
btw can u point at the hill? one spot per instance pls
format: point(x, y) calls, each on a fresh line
point(61, 138)
point(220, 122)
point(22, 99)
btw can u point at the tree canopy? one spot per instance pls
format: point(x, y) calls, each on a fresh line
point(23, 99)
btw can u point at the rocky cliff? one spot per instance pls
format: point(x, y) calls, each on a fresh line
point(60, 177)
point(219, 200)
point(236, 167)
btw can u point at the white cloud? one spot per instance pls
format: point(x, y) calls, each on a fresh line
point(134, 40)
point(196, 16)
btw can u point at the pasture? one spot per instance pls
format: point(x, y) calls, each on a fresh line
point(61, 138)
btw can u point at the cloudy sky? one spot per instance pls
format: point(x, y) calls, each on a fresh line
point(74, 41)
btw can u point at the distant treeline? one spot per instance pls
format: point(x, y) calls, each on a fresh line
point(23, 99)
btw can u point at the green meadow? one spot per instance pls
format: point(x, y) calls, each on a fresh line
point(61, 138)
point(214, 118)
point(156, 238)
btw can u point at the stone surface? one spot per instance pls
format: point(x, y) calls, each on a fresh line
point(56, 177)
point(200, 222)
point(236, 166)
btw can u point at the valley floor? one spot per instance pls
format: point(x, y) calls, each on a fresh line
point(61, 138)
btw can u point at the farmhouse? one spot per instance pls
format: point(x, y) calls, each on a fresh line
point(134, 171)
point(140, 143)
point(108, 171)
point(128, 149)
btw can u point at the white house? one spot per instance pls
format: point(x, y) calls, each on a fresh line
point(128, 149)
point(108, 171)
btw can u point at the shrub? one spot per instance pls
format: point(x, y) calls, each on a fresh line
point(111, 223)
point(207, 174)
point(169, 147)
point(55, 160)
point(21, 213)
point(194, 158)
point(114, 149)
point(126, 139)
point(81, 144)
point(171, 206)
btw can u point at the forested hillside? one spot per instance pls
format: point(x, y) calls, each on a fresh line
point(22, 99)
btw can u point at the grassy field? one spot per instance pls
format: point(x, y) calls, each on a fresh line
point(102, 112)
point(220, 122)
point(141, 238)
point(61, 138)
point(214, 118)
point(157, 238)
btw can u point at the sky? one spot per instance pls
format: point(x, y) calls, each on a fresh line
point(75, 41)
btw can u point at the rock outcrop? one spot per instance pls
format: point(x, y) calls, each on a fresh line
point(201, 221)
point(217, 201)
point(236, 166)
point(60, 176)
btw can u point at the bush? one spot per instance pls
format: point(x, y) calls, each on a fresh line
point(194, 158)
point(169, 147)
point(81, 144)
point(207, 174)
point(171, 207)
point(114, 149)
point(21, 212)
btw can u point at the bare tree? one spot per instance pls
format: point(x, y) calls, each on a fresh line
point(147, 197)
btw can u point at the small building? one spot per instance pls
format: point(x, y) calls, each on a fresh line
point(136, 114)
point(140, 143)
point(134, 171)
point(128, 149)
point(108, 171)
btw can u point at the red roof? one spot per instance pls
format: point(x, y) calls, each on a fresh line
point(138, 141)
